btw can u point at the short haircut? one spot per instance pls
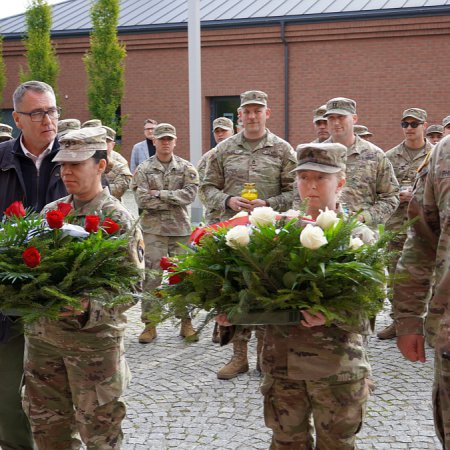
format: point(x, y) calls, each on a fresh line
point(146, 121)
point(35, 86)
point(99, 155)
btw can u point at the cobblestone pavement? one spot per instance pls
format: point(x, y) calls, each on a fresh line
point(175, 400)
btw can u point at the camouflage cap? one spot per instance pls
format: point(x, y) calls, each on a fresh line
point(66, 125)
point(5, 132)
point(164, 129)
point(328, 157)
point(254, 98)
point(361, 130)
point(79, 145)
point(110, 133)
point(319, 112)
point(341, 106)
point(434, 129)
point(446, 121)
point(92, 123)
point(416, 113)
point(224, 123)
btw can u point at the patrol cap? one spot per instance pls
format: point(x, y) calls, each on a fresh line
point(80, 145)
point(341, 106)
point(319, 112)
point(434, 129)
point(446, 121)
point(5, 132)
point(224, 123)
point(110, 133)
point(92, 123)
point(66, 125)
point(416, 113)
point(254, 98)
point(164, 129)
point(328, 157)
point(361, 130)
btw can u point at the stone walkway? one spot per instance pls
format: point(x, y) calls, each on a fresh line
point(175, 400)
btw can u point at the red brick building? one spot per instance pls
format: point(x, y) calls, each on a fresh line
point(387, 58)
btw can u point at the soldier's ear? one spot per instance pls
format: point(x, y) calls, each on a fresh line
point(355, 118)
point(102, 165)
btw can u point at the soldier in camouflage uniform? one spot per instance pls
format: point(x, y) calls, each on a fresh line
point(362, 131)
point(312, 370)
point(427, 251)
point(66, 125)
point(320, 124)
point(446, 125)
point(222, 129)
point(5, 132)
point(372, 187)
point(75, 370)
point(406, 158)
point(117, 173)
point(255, 155)
point(434, 133)
point(164, 186)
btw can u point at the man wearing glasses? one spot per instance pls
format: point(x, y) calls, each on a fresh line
point(27, 174)
point(144, 149)
point(406, 158)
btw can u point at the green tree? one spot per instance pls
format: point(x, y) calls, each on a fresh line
point(2, 71)
point(41, 55)
point(104, 64)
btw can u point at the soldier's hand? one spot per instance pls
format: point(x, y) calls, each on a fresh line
point(240, 204)
point(312, 320)
point(258, 202)
point(412, 347)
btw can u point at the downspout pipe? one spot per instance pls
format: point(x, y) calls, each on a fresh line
point(286, 79)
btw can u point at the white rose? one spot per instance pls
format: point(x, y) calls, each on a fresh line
point(355, 243)
point(312, 237)
point(240, 214)
point(327, 219)
point(263, 215)
point(238, 236)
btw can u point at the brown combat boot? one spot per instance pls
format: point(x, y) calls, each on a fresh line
point(148, 335)
point(388, 333)
point(238, 363)
point(187, 331)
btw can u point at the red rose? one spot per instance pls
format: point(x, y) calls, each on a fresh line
point(91, 224)
point(110, 226)
point(175, 279)
point(64, 208)
point(31, 257)
point(55, 219)
point(165, 263)
point(15, 209)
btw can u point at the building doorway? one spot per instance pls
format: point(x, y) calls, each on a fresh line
point(223, 107)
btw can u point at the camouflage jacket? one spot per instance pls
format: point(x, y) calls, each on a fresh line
point(211, 215)
point(167, 215)
point(118, 174)
point(405, 170)
point(332, 353)
point(371, 183)
point(234, 163)
point(102, 323)
point(427, 249)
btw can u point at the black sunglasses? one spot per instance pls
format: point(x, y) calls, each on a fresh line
point(410, 124)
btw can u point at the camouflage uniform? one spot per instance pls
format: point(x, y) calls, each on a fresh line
point(371, 183)
point(165, 222)
point(118, 174)
point(427, 248)
point(75, 370)
point(234, 163)
point(211, 215)
point(321, 372)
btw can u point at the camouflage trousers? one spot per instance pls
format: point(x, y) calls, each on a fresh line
point(337, 410)
point(441, 386)
point(72, 393)
point(156, 247)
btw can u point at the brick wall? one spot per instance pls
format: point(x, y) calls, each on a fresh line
point(385, 65)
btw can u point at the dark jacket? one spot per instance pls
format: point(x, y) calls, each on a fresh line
point(19, 180)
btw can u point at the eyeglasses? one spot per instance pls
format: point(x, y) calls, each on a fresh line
point(38, 116)
point(410, 124)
